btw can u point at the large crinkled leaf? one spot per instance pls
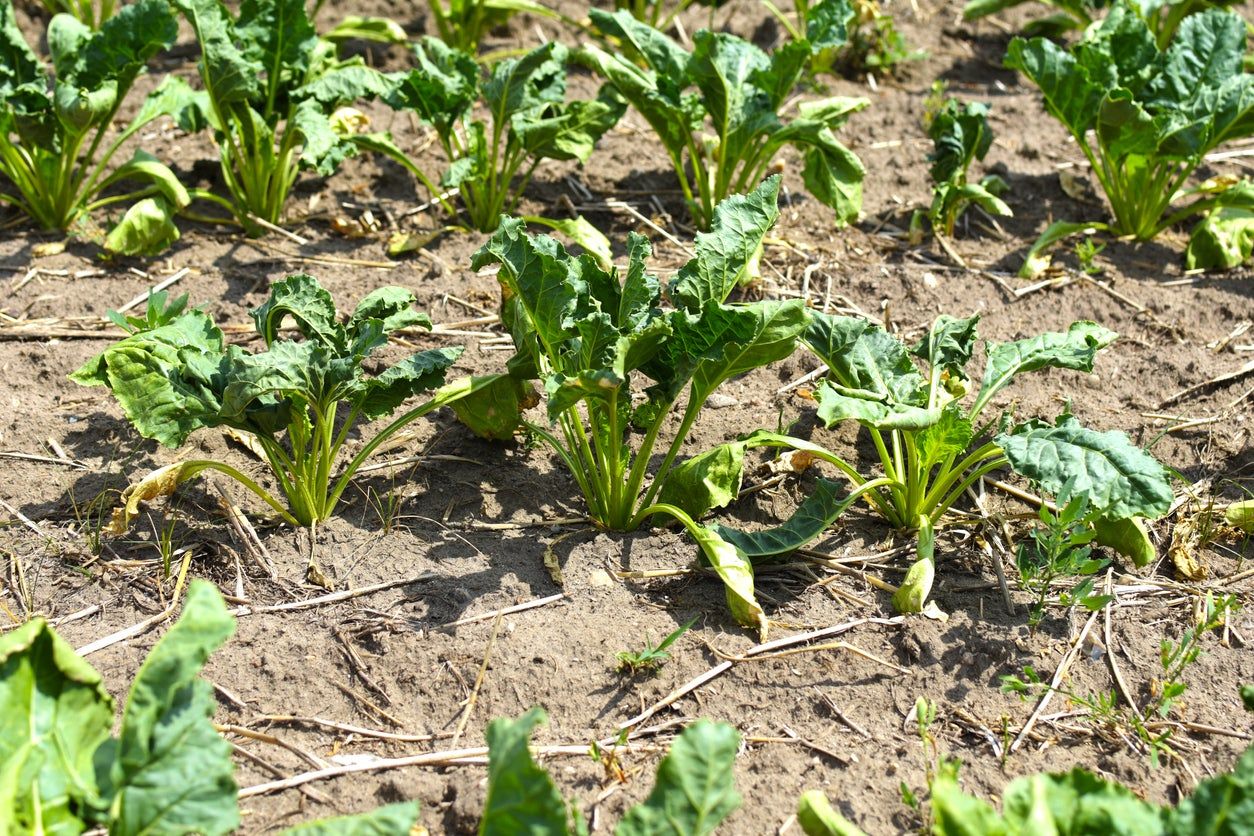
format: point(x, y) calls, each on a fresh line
point(441, 88)
point(1077, 802)
point(172, 770)
point(1205, 52)
point(229, 75)
point(279, 37)
point(725, 252)
point(286, 369)
point(1224, 239)
point(392, 306)
point(417, 373)
point(349, 82)
point(960, 134)
point(323, 150)
point(154, 378)
point(665, 57)
point(723, 68)
point(832, 173)
point(831, 336)
point(822, 507)
point(949, 344)
point(305, 301)
point(563, 391)
point(707, 481)
point(1074, 350)
point(775, 327)
point(1116, 478)
point(54, 713)
point(495, 410)
point(1070, 95)
point(19, 65)
point(537, 272)
point(570, 130)
point(949, 436)
point(877, 365)
point(838, 403)
point(658, 99)
point(124, 44)
point(522, 798)
point(536, 79)
point(695, 788)
point(392, 820)
point(827, 23)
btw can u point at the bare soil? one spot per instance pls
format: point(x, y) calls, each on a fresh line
point(471, 520)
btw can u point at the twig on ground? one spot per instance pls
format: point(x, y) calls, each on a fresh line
point(1059, 674)
point(140, 298)
point(331, 598)
point(529, 605)
point(349, 728)
point(473, 697)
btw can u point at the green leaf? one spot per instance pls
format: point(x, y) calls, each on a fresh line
point(827, 24)
point(1077, 802)
point(1223, 804)
point(949, 344)
point(722, 254)
point(695, 788)
point(348, 82)
point(54, 713)
point(733, 340)
point(1037, 260)
point(866, 361)
point(837, 403)
point(19, 65)
point(392, 820)
point(305, 301)
point(521, 796)
point(1116, 478)
point(1127, 537)
point(1071, 96)
point(173, 771)
point(144, 166)
point(951, 435)
point(736, 573)
point(665, 57)
point(380, 30)
point(1241, 515)
point(706, 481)
point(123, 46)
point(1223, 240)
point(146, 229)
point(228, 74)
point(567, 130)
point(441, 89)
point(417, 373)
point(495, 411)
point(535, 80)
point(279, 37)
point(832, 173)
point(960, 134)
point(323, 150)
point(579, 230)
point(954, 813)
point(822, 507)
point(817, 817)
point(1074, 350)
point(153, 375)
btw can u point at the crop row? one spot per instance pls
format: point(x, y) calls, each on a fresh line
point(1146, 96)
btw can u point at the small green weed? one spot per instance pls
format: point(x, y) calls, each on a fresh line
point(651, 659)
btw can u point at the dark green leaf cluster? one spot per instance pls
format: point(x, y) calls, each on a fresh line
point(181, 376)
point(54, 151)
point(717, 112)
point(528, 121)
point(273, 95)
point(961, 134)
point(1145, 117)
point(694, 790)
point(589, 335)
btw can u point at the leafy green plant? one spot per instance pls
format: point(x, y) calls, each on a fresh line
point(660, 14)
point(61, 771)
point(93, 13)
point(55, 126)
point(723, 138)
point(529, 120)
point(1060, 547)
point(932, 447)
point(182, 376)
point(1162, 16)
point(961, 134)
point(693, 792)
point(651, 659)
point(588, 335)
point(875, 43)
point(276, 96)
point(167, 771)
point(1224, 238)
point(1143, 117)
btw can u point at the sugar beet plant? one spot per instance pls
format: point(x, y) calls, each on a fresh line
point(931, 447)
point(716, 110)
point(1144, 118)
point(588, 336)
point(182, 376)
point(491, 160)
point(55, 143)
point(275, 95)
point(960, 135)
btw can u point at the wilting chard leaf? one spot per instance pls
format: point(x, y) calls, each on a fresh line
point(734, 91)
point(181, 376)
point(588, 336)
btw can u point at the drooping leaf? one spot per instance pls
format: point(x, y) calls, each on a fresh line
point(381, 30)
point(822, 507)
point(172, 770)
point(147, 228)
point(522, 798)
point(441, 88)
point(417, 373)
point(307, 303)
point(391, 820)
point(1222, 240)
point(1075, 349)
point(579, 230)
point(1117, 478)
point(818, 817)
point(1037, 260)
point(495, 411)
point(1241, 515)
point(838, 403)
point(707, 481)
point(1126, 536)
point(695, 789)
point(949, 344)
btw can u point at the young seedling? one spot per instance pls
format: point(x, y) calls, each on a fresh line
point(651, 659)
point(717, 109)
point(1145, 117)
point(490, 162)
point(588, 336)
point(182, 376)
point(932, 446)
point(1060, 547)
point(462, 24)
point(56, 126)
point(961, 134)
